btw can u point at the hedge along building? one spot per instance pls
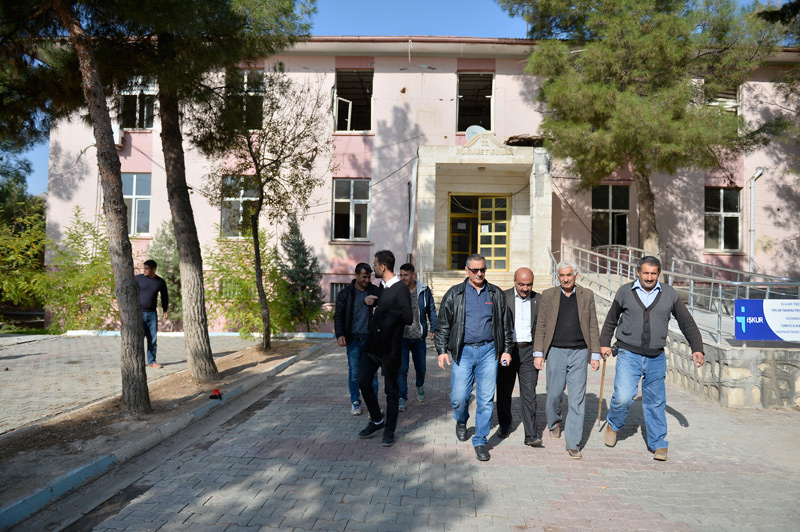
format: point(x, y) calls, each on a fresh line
point(413, 175)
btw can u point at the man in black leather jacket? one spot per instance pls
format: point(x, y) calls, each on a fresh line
point(476, 329)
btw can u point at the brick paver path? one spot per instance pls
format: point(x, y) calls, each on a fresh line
point(294, 461)
point(50, 375)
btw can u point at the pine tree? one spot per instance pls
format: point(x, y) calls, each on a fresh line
point(303, 275)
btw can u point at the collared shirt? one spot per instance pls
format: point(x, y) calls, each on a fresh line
point(478, 315)
point(391, 282)
point(522, 318)
point(646, 297)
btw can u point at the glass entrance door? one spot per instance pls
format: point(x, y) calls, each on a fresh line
point(493, 232)
point(478, 224)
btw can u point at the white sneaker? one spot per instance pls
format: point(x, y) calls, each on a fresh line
point(356, 409)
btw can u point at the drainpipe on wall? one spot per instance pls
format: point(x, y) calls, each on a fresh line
point(759, 173)
point(412, 207)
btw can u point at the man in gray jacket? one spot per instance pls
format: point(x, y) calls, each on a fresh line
point(640, 314)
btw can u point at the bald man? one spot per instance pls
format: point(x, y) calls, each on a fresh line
point(523, 303)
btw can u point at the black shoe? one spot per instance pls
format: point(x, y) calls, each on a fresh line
point(503, 432)
point(533, 441)
point(461, 432)
point(371, 429)
point(388, 439)
point(482, 453)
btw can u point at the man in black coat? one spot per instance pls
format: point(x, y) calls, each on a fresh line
point(392, 312)
point(351, 325)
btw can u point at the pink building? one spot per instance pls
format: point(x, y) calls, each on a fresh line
point(409, 176)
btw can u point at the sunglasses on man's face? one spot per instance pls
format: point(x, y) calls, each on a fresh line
point(477, 270)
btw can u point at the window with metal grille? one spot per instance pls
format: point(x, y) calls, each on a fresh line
point(336, 288)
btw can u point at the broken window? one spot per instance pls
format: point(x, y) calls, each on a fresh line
point(353, 100)
point(475, 100)
point(137, 106)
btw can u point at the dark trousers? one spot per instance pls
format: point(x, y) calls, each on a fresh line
point(521, 364)
point(367, 368)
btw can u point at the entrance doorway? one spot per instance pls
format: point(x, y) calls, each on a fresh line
point(479, 224)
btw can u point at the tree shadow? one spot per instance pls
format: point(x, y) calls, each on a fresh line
point(67, 171)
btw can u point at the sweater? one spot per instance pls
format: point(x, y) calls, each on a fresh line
point(643, 330)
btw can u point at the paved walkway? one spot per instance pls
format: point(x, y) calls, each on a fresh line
point(294, 461)
point(41, 376)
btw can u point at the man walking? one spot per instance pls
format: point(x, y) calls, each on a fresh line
point(351, 325)
point(414, 335)
point(566, 332)
point(392, 312)
point(523, 304)
point(150, 286)
point(475, 328)
point(640, 314)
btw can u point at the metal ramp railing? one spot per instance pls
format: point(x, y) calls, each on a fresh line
point(709, 291)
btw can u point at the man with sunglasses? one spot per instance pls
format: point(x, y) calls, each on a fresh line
point(476, 329)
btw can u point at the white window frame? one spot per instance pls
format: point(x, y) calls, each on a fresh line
point(722, 215)
point(352, 203)
point(135, 198)
point(491, 98)
point(337, 99)
point(249, 91)
point(240, 198)
point(611, 211)
point(140, 89)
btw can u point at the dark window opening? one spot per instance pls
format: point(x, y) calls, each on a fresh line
point(354, 100)
point(475, 101)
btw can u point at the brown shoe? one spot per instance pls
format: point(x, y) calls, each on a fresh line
point(574, 453)
point(610, 436)
point(155, 365)
point(556, 432)
point(661, 455)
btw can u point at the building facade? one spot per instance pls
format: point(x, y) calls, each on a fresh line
point(437, 155)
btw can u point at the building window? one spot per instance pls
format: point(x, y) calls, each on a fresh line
point(610, 209)
point(238, 204)
point(136, 192)
point(246, 99)
point(475, 100)
point(336, 288)
point(350, 209)
point(137, 107)
point(723, 218)
point(353, 100)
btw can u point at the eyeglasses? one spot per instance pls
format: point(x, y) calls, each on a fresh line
point(477, 270)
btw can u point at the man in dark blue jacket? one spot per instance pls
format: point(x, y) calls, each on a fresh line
point(150, 286)
point(351, 326)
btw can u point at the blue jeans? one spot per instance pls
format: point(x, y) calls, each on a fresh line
point(476, 366)
point(417, 348)
point(630, 368)
point(353, 354)
point(150, 320)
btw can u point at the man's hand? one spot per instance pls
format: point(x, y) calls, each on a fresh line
point(605, 352)
point(433, 334)
point(538, 362)
point(166, 315)
point(595, 365)
point(505, 359)
point(444, 357)
point(370, 300)
point(341, 341)
point(698, 358)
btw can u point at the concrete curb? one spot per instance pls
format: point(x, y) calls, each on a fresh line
point(31, 504)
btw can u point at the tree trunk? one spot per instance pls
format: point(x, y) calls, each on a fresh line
point(648, 233)
point(135, 396)
point(195, 322)
point(262, 295)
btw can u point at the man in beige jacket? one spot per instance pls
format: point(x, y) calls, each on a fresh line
point(566, 333)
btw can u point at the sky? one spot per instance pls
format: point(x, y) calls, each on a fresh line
point(466, 18)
